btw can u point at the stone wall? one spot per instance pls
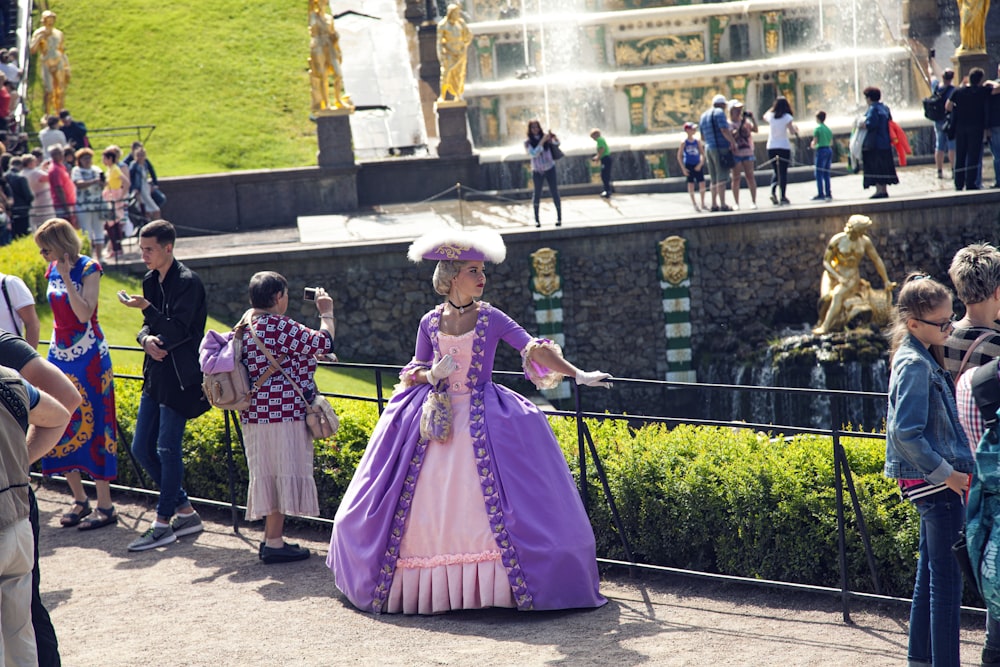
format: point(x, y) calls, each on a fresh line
point(751, 277)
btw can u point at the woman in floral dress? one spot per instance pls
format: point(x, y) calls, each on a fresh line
point(78, 348)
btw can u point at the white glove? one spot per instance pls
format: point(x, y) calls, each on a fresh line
point(441, 369)
point(593, 378)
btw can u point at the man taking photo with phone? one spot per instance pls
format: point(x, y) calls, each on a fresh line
point(174, 313)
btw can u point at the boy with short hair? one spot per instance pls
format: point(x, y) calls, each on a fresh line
point(975, 340)
point(603, 157)
point(691, 158)
point(822, 143)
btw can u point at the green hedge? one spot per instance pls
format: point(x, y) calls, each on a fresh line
point(711, 499)
point(743, 503)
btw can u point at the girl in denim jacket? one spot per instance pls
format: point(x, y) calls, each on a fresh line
point(927, 451)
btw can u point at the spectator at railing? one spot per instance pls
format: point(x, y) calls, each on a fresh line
point(21, 197)
point(36, 172)
point(115, 192)
point(75, 131)
point(142, 181)
point(51, 134)
point(8, 65)
point(61, 186)
point(88, 181)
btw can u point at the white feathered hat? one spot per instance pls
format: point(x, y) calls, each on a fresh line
point(455, 244)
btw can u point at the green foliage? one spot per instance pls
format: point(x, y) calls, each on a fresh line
point(225, 82)
point(745, 503)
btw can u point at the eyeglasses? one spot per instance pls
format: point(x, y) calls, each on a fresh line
point(943, 326)
point(44, 251)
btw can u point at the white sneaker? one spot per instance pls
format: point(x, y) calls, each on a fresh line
point(152, 538)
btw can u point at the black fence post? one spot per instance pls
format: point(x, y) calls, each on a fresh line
point(582, 451)
point(839, 487)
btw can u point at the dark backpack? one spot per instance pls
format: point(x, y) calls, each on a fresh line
point(986, 391)
point(934, 105)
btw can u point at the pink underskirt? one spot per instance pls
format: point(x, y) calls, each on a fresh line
point(448, 557)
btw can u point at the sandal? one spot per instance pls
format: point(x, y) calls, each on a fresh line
point(106, 518)
point(72, 518)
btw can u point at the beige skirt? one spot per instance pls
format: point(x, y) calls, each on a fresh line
point(280, 459)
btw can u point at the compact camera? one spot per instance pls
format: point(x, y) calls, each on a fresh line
point(309, 293)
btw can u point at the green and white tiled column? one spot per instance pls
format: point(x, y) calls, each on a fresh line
point(675, 287)
point(546, 292)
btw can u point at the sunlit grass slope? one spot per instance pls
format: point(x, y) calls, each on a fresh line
point(225, 82)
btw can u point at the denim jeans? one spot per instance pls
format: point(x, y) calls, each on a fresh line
point(156, 444)
point(995, 149)
point(937, 592)
point(824, 160)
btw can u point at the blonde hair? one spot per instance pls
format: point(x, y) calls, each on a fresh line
point(444, 273)
point(58, 236)
point(919, 295)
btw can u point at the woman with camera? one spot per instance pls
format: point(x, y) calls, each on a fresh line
point(744, 126)
point(540, 147)
point(280, 354)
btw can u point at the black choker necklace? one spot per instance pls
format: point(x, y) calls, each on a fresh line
point(461, 309)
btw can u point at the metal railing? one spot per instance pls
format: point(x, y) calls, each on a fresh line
point(586, 447)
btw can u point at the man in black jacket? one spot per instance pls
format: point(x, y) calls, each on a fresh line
point(174, 314)
point(969, 115)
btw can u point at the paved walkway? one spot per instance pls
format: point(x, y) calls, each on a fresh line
point(206, 601)
point(402, 222)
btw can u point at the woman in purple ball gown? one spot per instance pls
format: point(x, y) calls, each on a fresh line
point(463, 499)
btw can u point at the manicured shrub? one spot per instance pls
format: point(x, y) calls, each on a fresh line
point(723, 500)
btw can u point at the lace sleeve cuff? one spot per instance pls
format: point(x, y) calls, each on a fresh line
point(540, 376)
point(407, 376)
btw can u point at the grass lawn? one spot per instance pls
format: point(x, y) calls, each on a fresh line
point(120, 325)
point(225, 82)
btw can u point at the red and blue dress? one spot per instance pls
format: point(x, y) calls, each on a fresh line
point(79, 350)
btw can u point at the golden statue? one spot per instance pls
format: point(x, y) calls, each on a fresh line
point(50, 45)
point(673, 267)
point(844, 294)
point(972, 25)
point(546, 281)
point(324, 61)
point(454, 38)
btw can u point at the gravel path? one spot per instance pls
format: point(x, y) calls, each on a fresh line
point(207, 601)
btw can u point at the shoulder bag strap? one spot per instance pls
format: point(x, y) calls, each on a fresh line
point(10, 308)
point(275, 364)
point(255, 386)
point(975, 344)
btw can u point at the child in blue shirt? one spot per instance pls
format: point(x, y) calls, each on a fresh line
point(691, 158)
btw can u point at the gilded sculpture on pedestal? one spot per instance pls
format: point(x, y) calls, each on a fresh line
point(546, 281)
point(844, 295)
point(453, 39)
point(325, 61)
point(49, 43)
point(673, 264)
point(972, 25)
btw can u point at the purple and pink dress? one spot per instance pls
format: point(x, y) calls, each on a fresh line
point(487, 517)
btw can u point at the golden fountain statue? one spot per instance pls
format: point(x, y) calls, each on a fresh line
point(454, 38)
point(844, 294)
point(325, 62)
point(50, 45)
point(972, 25)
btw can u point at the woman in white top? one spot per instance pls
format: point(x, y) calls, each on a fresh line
point(779, 148)
point(17, 309)
point(38, 181)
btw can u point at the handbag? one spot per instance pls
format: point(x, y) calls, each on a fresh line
point(435, 416)
point(321, 418)
point(556, 152)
